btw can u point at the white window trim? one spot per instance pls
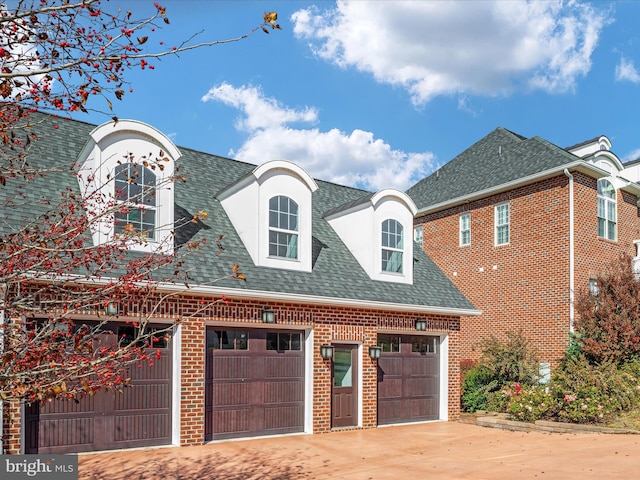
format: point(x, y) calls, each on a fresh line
point(462, 229)
point(393, 249)
point(295, 233)
point(107, 145)
point(497, 225)
point(139, 206)
point(607, 201)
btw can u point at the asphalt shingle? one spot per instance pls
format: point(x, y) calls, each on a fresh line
point(335, 272)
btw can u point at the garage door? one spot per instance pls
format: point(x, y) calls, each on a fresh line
point(408, 378)
point(139, 416)
point(254, 382)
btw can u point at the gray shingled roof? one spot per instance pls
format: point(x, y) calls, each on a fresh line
point(335, 273)
point(499, 158)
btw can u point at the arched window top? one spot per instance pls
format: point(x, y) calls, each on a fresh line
point(392, 246)
point(283, 227)
point(606, 189)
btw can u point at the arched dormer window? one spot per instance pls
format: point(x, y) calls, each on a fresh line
point(132, 164)
point(607, 216)
point(283, 227)
point(392, 246)
point(135, 191)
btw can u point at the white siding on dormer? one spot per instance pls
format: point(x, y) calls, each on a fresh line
point(360, 228)
point(113, 144)
point(247, 206)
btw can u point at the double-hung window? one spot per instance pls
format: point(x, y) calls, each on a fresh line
point(135, 194)
point(392, 246)
point(465, 229)
point(607, 217)
point(283, 227)
point(502, 224)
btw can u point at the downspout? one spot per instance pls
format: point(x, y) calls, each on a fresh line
point(571, 252)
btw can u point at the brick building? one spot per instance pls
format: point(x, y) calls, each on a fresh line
point(329, 275)
point(520, 226)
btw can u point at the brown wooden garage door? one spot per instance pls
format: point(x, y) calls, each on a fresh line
point(139, 416)
point(254, 382)
point(408, 378)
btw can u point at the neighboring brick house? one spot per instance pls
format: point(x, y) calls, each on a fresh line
point(520, 226)
point(326, 265)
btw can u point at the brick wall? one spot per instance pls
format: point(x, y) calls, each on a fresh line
point(330, 324)
point(524, 285)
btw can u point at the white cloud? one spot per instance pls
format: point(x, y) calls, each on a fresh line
point(633, 155)
point(626, 70)
point(443, 48)
point(357, 159)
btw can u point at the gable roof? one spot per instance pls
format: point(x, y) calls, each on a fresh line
point(336, 276)
point(500, 158)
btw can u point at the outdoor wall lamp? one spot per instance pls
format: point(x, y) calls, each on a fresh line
point(111, 308)
point(421, 324)
point(375, 351)
point(326, 351)
point(268, 315)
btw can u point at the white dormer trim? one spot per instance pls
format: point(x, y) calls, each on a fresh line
point(599, 144)
point(360, 228)
point(607, 161)
point(115, 143)
point(246, 203)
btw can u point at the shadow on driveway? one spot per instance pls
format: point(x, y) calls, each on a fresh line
point(443, 450)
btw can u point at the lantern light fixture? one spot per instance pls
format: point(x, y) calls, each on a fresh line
point(421, 324)
point(326, 351)
point(268, 315)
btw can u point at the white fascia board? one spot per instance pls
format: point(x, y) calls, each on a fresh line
point(578, 166)
point(208, 290)
point(317, 300)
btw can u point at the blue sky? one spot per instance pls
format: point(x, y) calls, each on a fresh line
point(378, 94)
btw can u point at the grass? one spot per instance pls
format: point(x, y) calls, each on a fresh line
point(629, 420)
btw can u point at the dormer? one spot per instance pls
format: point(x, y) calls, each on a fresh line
point(126, 176)
point(377, 229)
point(271, 210)
point(591, 147)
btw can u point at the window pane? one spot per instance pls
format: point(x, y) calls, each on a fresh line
point(601, 227)
point(342, 368)
point(272, 341)
point(296, 341)
point(226, 340)
point(213, 339)
point(391, 261)
point(389, 343)
point(242, 340)
point(284, 342)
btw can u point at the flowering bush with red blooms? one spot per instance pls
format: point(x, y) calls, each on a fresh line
point(529, 403)
point(60, 56)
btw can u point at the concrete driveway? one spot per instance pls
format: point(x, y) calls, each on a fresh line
point(420, 451)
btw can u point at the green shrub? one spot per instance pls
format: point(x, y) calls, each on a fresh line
point(529, 403)
point(587, 393)
point(498, 401)
point(478, 382)
point(513, 359)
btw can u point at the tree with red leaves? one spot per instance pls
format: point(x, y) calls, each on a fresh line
point(56, 57)
point(608, 321)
